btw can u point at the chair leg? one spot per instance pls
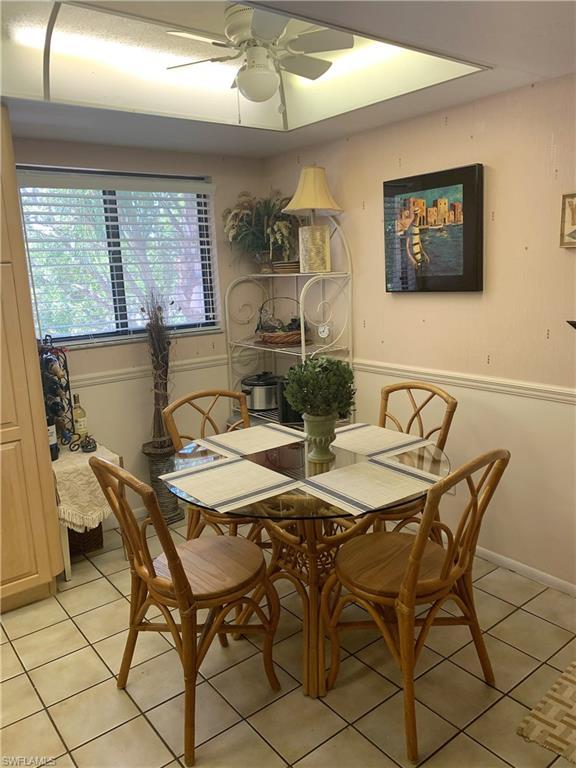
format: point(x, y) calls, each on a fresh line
point(190, 673)
point(274, 608)
point(330, 628)
point(137, 596)
point(406, 637)
point(467, 593)
point(196, 524)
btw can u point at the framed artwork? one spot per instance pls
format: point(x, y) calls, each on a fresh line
point(568, 221)
point(433, 231)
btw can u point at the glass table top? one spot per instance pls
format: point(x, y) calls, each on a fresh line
point(291, 461)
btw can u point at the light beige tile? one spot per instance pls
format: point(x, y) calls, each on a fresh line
point(481, 568)
point(148, 645)
point(246, 687)
point(379, 658)
point(557, 607)
point(348, 748)
point(82, 572)
point(564, 657)
point(447, 640)
point(384, 726)
point(532, 690)
point(3, 636)
point(31, 618)
point(213, 715)
point(496, 730)
point(18, 699)
point(9, 664)
point(296, 724)
point(33, 737)
point(88, 596)
point(105, 621)
point(112, 540)
point(238, 747)
point(288, 654)
point(68, 675)
point(284, 587)
point(357, 690)
point(122, 580)
point(509, 665)
point(531, 634)
point(156, 680)
point(464, 751)
point(288, 625)
point(293, 603)
point(92, 712)
point(64, 762)
point(109, 562)
point(49, 644)
point(489, 609)
point(132, 745)
point(454, 694)
point(509, 586)
point(218, 659)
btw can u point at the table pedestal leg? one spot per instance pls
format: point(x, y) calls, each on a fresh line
point(65, 551)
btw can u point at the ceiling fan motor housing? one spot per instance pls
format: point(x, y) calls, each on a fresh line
point(238, 23)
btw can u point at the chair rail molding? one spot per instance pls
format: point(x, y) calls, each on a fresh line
point(116, 375)
point(513, 387)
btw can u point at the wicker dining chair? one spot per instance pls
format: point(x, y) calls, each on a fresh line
point(217, 573)
point(420, 396)
point(204, 403)
point(393, 574)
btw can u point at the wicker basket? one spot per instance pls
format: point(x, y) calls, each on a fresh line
point(279, 338)
point(88, 541)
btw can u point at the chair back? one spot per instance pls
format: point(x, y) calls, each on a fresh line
point(415, 421)
point(210, 399)
point(477, 480)
point(112, 480)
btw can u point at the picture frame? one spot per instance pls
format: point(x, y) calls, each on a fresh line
point(568, 221)
point(433, 231)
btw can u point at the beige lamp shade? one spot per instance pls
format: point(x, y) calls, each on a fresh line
point(313, 194)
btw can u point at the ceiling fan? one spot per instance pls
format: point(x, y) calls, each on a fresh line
point(260, 39)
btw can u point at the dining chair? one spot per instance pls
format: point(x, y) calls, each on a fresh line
point(420, 396)
point(217, 573)
point(393, 574)
point(205, 403)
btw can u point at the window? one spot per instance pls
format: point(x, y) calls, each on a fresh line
point(98, 244)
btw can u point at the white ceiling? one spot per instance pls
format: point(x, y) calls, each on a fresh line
point(522, 42)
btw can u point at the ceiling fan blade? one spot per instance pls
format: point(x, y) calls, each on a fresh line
point(305, 66)
point(203, 61)
point(323, 40)
point(266, 25)
point(204, 37)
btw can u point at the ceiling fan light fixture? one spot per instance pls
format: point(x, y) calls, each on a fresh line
point(257, 80)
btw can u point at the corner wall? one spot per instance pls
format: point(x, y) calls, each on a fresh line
point(507, 353)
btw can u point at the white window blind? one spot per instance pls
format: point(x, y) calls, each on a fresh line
point(98, 244)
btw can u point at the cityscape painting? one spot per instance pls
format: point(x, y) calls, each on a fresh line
point(433, 231)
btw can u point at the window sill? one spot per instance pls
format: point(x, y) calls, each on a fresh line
point(116, 341)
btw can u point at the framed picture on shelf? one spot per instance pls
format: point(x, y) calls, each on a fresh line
point(568, 221)
point(433, 231)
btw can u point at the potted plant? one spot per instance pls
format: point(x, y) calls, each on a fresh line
point(322, 390)
point(159, 450)
point(257, 226)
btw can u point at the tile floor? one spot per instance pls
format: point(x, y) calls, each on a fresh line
point(59, 698)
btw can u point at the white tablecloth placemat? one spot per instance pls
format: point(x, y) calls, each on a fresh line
point(243, 442)
point(368, 440)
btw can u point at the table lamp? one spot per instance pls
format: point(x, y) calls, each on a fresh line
point(313, 197)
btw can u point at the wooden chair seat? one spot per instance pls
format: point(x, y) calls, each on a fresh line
point(376, 563)
point(216, 566)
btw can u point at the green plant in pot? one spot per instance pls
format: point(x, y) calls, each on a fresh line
point(322, 390)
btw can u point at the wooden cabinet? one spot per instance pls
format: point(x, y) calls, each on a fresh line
point(30, 548)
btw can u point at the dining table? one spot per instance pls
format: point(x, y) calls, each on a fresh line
point(263, 474)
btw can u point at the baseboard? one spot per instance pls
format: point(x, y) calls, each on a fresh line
point(527, 570)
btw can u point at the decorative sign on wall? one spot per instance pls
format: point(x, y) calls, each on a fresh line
point(433, 231)
point(568, 221)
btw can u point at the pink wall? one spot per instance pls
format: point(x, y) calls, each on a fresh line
point(517, 327)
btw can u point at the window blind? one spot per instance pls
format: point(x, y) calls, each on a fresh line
point(99, 244)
